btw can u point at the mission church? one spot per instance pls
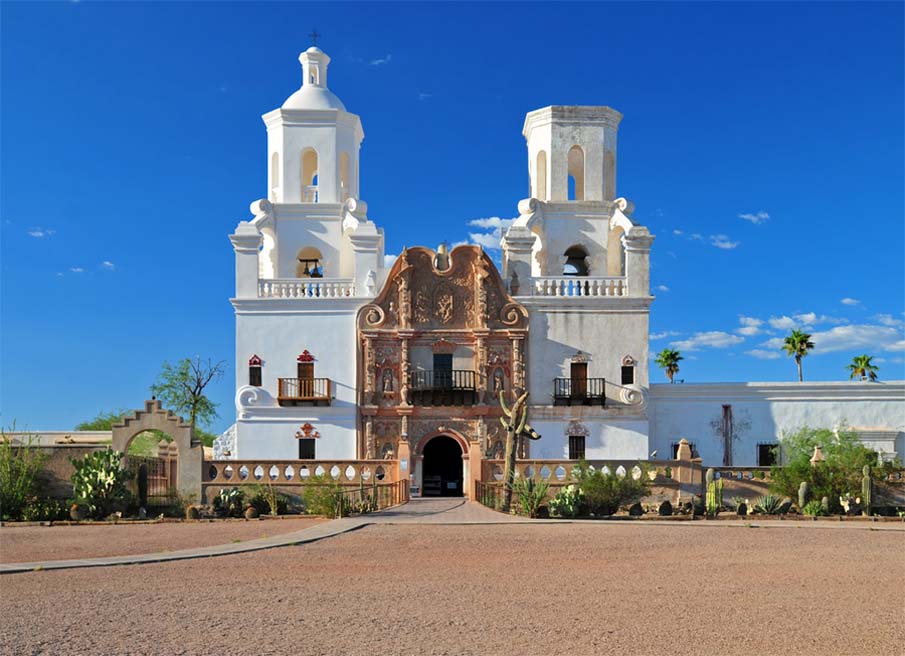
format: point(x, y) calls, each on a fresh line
point(341, 357)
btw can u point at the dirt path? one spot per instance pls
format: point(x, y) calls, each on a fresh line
point(33, 543)
point(486, 589)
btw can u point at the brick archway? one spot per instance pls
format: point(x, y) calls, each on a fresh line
point(190, 451)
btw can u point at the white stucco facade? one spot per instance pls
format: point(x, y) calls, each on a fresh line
point(578, 262)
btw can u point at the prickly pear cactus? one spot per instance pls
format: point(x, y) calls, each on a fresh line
point(867, 491)
point(803, 494)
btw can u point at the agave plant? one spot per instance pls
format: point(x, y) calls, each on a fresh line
point(768, 505)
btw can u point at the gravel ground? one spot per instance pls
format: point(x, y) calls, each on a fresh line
point(596, 588)
point(19, 544)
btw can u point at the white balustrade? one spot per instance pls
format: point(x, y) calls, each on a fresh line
point(305, 288)
point(580, 286)
point(309, 194)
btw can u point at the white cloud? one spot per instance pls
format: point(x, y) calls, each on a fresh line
point(756, 219)
point(76, 269)
point(712, 339)
point(889, 320)
point(722, 241)
point(677, 232)
point(868, 338)
point(662, 288)
point(491, 222)
point(750, 325)
point(40, 233)
point(423, 95)
point(762, 354)
point(782, 323)
point(380, 61)
point(696, 236)
point(850, 301)
point(389, 260)
point(488, 240)
point(107, 265)
point(494, 226)
point(665, 333)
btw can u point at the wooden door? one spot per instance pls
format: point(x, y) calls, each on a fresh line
point(579, 376)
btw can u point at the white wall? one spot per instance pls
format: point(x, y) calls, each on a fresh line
point(762, 412)
point(607, 439)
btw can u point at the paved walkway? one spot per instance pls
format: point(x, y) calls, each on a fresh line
point(450, 511)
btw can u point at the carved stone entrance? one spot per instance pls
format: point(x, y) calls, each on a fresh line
point(190, 450)
point(442, 469)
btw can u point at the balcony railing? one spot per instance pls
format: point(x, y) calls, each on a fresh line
point(309, 288)
point(298, 391)
point(579, 286)
point(579, 391)
point(442, 387)
point(309, 194)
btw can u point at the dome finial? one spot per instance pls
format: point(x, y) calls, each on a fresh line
point(314, 36)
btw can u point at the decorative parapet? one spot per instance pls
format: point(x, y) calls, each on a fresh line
point(306, 288)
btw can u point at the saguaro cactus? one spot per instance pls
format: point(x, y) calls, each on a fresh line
point(867, 491)
point(515, 421)
point(714, 494)
point(803, 494)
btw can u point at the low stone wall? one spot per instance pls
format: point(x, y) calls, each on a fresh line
point(56, 478)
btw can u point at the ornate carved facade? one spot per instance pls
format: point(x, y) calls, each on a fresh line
point(461, 316)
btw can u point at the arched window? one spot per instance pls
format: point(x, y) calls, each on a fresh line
point(576, 261)
point(309, 175)
point(274, 175)
point(309, 263)
point(540, 176)
point(344, 175)
point(267, 257)
point(576, 173)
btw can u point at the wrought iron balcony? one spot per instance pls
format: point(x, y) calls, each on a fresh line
point(442, 387)
point(579, 391)
point(304, 391)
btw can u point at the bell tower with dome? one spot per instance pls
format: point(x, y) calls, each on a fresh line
point(312, 141)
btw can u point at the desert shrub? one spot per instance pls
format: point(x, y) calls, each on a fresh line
point(324, 496)
point(568, 502)
point(269, 500)
point(230, 502)
point(604, 492)
point(20, 466)
point(531, 495)
point(837, 475)
point(768, 505)
point(814, 509)
point(39, 509)
point(99, 482)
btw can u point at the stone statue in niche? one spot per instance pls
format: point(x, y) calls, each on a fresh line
point(387, 383)
point(497, 382)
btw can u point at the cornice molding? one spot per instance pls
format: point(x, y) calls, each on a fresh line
point(817, 391)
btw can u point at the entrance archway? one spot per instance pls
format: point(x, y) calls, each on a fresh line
point(442, 468)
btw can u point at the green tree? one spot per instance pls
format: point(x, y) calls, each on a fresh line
point(838, 474)
point(102, 422)
point(668, 361)
point(862, 366)
point(798, 343)
point(181, 388)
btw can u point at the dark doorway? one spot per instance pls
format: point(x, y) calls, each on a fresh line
point(442, 468)
point(579, 376)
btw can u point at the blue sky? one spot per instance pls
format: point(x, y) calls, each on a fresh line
point(762, 144)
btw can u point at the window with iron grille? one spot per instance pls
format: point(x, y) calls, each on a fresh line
point(576, 447)
point(628, 375)
point(254, 375)
point(767, 453)
point(306, 449)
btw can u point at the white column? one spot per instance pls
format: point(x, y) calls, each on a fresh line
point(247, 245)
point(637, 244)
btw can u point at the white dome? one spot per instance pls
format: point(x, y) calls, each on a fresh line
point(313, 97)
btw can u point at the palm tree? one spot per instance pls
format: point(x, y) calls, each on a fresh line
point(798, 344)
point(863, 367)
point(668, 360)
